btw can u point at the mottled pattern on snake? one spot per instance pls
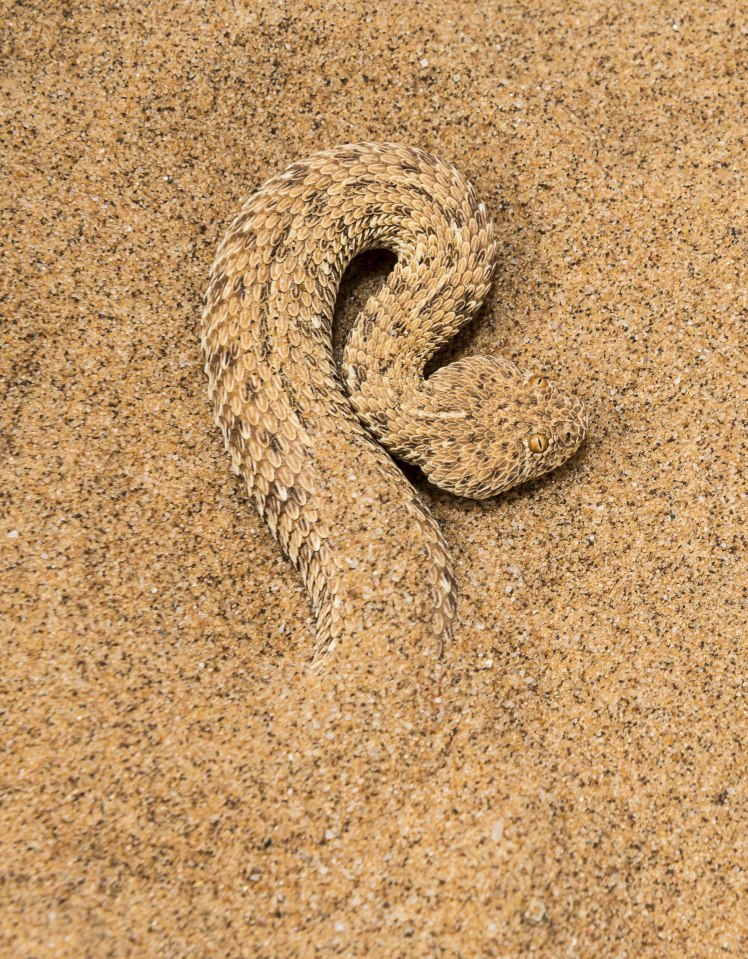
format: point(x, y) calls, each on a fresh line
point(302, 435)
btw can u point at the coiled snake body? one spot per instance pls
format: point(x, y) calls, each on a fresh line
point(303, 437)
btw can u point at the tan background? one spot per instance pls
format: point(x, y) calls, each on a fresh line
point(167, 787)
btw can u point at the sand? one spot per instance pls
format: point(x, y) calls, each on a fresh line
point(571, 780)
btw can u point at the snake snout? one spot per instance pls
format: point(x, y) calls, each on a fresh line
point(572, 428)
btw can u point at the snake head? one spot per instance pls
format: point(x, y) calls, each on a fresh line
point(494, 426)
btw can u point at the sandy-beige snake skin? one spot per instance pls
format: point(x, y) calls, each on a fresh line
point(304, 436)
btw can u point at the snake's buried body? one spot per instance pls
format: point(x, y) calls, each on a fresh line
point(306, 438)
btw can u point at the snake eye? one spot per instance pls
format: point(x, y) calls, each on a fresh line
point(538, 442)
point(540, 382)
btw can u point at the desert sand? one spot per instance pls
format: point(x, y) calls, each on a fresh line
point(570, 779)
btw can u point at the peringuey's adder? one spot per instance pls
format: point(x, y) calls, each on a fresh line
point(305, 437)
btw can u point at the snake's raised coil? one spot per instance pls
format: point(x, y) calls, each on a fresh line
point(305, 437)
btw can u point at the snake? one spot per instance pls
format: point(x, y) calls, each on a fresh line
point(316, 442)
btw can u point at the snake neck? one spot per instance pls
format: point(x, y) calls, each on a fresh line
point(371, 555)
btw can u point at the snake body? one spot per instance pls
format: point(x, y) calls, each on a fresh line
point(309, 441)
